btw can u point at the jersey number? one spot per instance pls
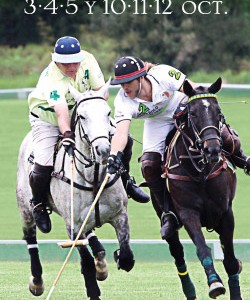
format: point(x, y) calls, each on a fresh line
point(175, 74)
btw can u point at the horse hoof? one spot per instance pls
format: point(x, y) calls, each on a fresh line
point(101, 266)
point(36, 286)
point(216, 289)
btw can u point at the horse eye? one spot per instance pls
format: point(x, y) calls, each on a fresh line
point(192, 114)
point(82, 118)
point(109, 114)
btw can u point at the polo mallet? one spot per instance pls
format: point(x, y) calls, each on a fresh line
point(79, 233)
point(72, 198)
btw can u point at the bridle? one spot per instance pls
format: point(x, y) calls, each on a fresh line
point(199, 140)
point(194, 146)
point(75, 119)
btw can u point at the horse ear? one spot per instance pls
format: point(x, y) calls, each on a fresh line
point(76, 95)
point(188, 89)
point(216, 86)
point(104, 90)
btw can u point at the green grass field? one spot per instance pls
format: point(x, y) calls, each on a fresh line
point(144, 224)
point(148, 280)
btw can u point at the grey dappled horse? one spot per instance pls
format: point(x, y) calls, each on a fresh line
point(92, 129)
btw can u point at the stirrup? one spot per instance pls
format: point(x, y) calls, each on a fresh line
point(43, 206)
point(172, 214)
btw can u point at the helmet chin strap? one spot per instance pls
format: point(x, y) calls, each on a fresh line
point(139, 88)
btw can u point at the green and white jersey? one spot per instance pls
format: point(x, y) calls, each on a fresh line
point(165, 81)
point(52, 87)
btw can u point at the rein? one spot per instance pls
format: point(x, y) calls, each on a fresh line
point(193, 149)
point(81, 159)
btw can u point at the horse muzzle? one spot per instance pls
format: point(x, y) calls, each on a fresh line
point(212, 150)
point(101, 152)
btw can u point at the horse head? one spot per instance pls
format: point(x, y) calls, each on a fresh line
point(92, 123)
point(205, 119)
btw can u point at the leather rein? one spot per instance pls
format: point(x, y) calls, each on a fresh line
point(81, 159)
point(193, 149)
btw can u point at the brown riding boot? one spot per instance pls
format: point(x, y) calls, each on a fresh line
point(39, 183)
point(161, 199)
point(133, 191)
point(232, 146)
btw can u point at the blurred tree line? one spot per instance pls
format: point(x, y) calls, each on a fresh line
point(209, 42)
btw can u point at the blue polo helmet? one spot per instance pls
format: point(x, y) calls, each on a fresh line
point(67, 50)
point(128, 68)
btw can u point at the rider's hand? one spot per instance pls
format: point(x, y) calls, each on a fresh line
point(115, 163)
point(68, 142)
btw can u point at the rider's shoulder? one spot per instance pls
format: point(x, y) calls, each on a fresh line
point(88, 57)
point(160, 69)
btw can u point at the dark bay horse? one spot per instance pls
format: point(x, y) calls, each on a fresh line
point(202, 183)
point(93, 133)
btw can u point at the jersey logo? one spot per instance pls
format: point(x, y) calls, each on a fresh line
point(54, 95)
point(175, 74)
point(143, 109)
point(86, 74)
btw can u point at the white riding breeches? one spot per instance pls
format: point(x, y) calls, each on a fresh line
point(45, 137)
point(154, 135)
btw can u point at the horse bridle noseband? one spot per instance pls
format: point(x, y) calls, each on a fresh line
point(199, 140)
point(196, 146)
point(75, 119)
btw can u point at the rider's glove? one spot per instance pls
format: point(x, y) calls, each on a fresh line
point(115, 163)
point(68, 142)
point(180, 110)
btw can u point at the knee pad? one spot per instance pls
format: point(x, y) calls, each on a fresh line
point(127, 153)
point(230, 140)
point(151, 166)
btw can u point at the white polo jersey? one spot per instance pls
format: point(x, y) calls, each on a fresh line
point(158, 114)
point(52, 87)
point(166, 81)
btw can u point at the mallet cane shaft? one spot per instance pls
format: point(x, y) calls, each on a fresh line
point(72, 199)
point(78, 235)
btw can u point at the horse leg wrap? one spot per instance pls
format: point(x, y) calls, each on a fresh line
point(212, 276)
point(234, 287)
point(187, 285)
point(94, 243)
point(124, 259)
point(36, 267)
point(89, 272)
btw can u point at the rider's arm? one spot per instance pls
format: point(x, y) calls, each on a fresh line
point(63, 117)
point(120, 138)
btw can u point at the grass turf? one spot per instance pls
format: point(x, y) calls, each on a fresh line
point(143, 221)
point(145, 282)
